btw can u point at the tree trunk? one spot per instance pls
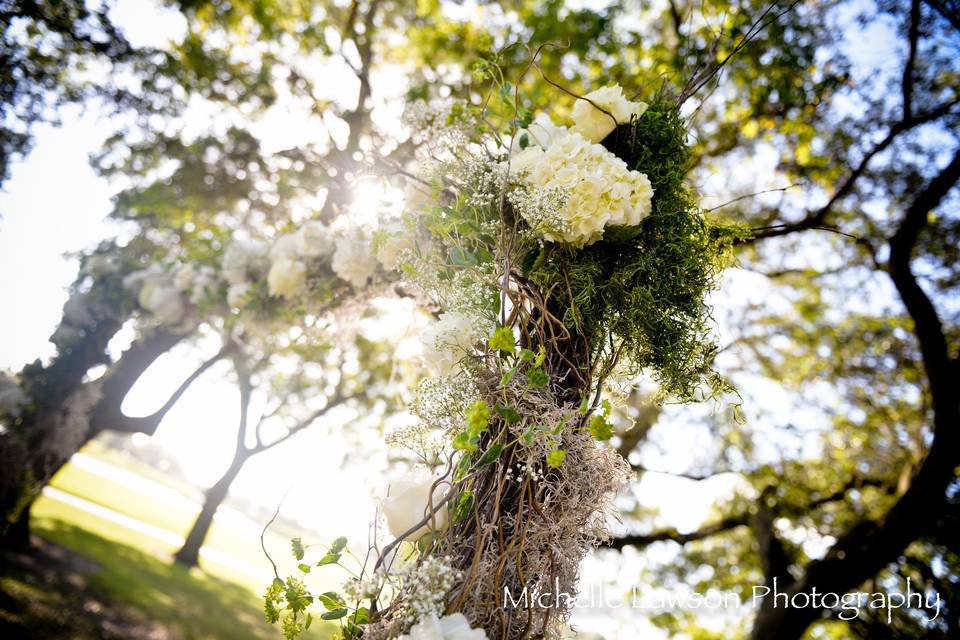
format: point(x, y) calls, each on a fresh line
point(17, 535)
point(189, 554)
point(68, 413)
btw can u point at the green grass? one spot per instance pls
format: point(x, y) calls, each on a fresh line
point(170, 516)
point(196, 604)
point(220, 601)
point(89, 486)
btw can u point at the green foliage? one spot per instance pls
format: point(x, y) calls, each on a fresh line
point(477, 417)
point(555, 458)
point(503, 340)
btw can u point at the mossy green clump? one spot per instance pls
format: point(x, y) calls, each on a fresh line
point(647, 285)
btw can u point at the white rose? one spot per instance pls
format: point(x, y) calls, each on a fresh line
point(452, 627)
point(352, 260)
point(408, 504)
point(287, 278)
point(313, 240)
point(237, 295)
point(595, 125)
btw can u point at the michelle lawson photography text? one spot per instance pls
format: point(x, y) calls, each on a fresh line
point(847, 606)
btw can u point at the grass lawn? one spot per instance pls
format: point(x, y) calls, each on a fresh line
point(129, 575)
point(181, 604)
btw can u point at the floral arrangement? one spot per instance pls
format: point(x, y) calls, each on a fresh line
point(559, 258)
point(250, 279)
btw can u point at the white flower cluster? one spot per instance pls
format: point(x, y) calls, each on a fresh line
point(283, 265)
point(162, 293)
point(601, 189)
point(578, 186)
point(452, 627)
point(426, 585)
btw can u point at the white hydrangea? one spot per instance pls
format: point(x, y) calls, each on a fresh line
point(287, 277)
point(313, 240)
point(448, 340)
point(595, 125)
point(452, 627)
point(237, 295)
point(12, 397)
point(353, 260)
point(600, 189)
point(241, 257)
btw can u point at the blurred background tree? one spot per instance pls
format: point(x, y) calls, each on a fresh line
point(827, 128)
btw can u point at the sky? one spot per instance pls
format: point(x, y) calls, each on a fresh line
point(54, 204)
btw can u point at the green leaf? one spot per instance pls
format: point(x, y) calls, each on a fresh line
point(541, 356)
point(305, 568)
point(336, 614)
point(507, 376)
point(489, 455)
point(462, 258)
point(298, 549)
point(478, 415)
point(599, 428)
point(308, 621)
point(537, 378)
point(361, 616)
point(331, 600)
point(555, 458)
point(464, 505)
point(464, 442)
point(503, 340)
point(330, 558)
point(338, 545)
point(509, 414)
point(463, 467)
point(526, 355)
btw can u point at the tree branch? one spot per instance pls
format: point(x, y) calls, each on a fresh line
point(913, 36)
point(121, 378)
point(337, 400)
point(672, 535)
point(817, 219)
point(863, 551)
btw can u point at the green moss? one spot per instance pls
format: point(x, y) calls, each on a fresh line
point(647, 285)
